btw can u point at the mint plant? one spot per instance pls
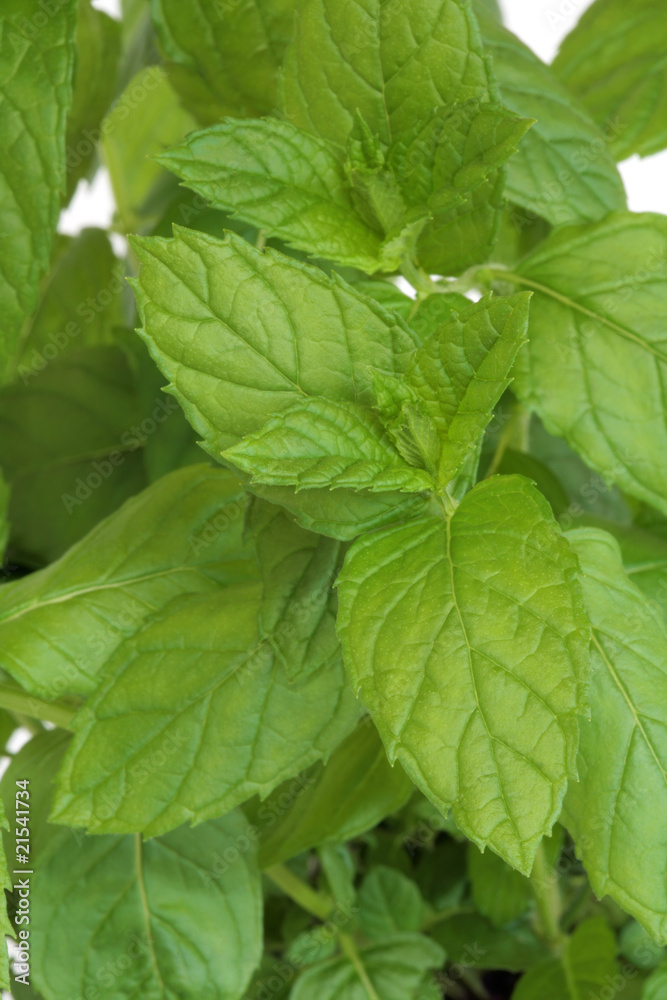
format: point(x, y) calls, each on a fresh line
point(332, 616)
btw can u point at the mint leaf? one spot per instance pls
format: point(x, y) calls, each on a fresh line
point(389, 903)
point(499, 893)
point(429, 619)
point(333, 802)
point(462, 370)
point(35, 96)
point(587, 966)
point(191, 922)
point(391, 62)
point(406, 421)
point(429, 314)
point(224, 59)
point(472, 940)
point(59, 627)
point(281, 179)
point(563, 170)
point(613, 61)
point(588, 330)
point(656, 984)
point(227, 717)
point(322, 443)
point(604, 811)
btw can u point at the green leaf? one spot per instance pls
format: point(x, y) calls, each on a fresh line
point(462, 370)
point(389, 296)
point(395, 967)
point(338, 868)
point(431, 312)
point(389, 903)
point(475, 943)
point(70, 446)
point(621, 798)
point(614, 61)
point(224, 58)
point(595, 333)
point(656, 984)
point(586, 967)
point(333, 802)
point(60, 627)
point(298, 611)
point(459, 237)
point(80, 304)
point(281, 179)
point(407, 423)
point(499, 893)
point(321, 443)
point(563, 171)
point(391, 62)
point(167, 917)
point(224, 723)
point(467, 641)
point(35, 96)
point(4, 519)
point(6, 927)
point(645, 561)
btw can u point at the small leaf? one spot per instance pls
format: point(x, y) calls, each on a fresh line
point(499, 893)
point(586, 967)
point(467, 641)
point(389, 903)
point(321, 443)
point(406, 421)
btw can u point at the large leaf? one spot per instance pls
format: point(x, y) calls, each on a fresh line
point(333, 802)
point(196, 715)
point(224, 58)
point(390, 62)
point(35, 96)
point(283, 180)
point(596, 332)
point(621, 798)
point(60, 626)
point(321, 443)
point(585, 969)
point(614, 61)
point(563, 170)
point(467, 641)
point(163, 918)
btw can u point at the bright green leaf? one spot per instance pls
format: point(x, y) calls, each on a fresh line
point(499, 893)
point(431, 312)
point(586, 968)
point(406, 421)
point(389, 903)
point(620, 800)
point(467, 640)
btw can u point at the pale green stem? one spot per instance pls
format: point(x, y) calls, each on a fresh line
point(308, 899)
point(544, 883)
point(16, 700)
point(350, 950)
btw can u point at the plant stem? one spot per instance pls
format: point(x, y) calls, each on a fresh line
point(417, 278)
point(14, 699)
point(474, 984)
point(547, 896)
point(308, 899)
point(350, 950)
point(514, 432)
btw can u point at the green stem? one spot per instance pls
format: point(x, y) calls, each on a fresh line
point(547, 896)
point(14, 699)
point(515, 432)
point(419, 280)
point(308, 899)
point(474, 984)
point(350, 951)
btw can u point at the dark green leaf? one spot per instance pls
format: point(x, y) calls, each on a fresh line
point(586, 967)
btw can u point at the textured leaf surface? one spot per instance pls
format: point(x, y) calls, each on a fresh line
point(189, 925)
point(596, 332)
point(321, 443)
point(587, 967)
point(614, 61)
point(621, 798)
point(500, 893)
point(389, 903)
point(462, 370)
point(224, 58)
point(395, 967)
point(391, 62)
point(60, 626)
point(281, 179)
point(337, 801)
point(466, 640)
point(35, 96)
point(196, 716)
point(563, 171)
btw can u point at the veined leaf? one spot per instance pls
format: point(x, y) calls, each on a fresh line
point(298, 611)
point(586, 967)
point(596, 332)
point(431, 312)
point(462, 370)
point(563, 171)
point(621, 798)
point(389, 903)
point(403, 413)
point(224, 58)
point(190, 922)
point(321, 443)
point(35, 97)
point(614, 61)
point(195, 716)
point(333, 802)
point(467, 641)
point(392, 62)
point(59, 627)
point(395, 967)
point(281, 179)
